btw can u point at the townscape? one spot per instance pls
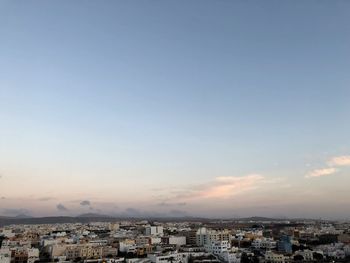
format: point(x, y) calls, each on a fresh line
point(148, 241)
point(193, 131)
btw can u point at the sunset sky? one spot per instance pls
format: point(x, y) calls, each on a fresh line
point(173, 108)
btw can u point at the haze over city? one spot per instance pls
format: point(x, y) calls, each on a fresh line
point(217, 109)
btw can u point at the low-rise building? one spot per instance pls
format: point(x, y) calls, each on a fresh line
point(264, 243)
point(218, 247)
point(5, 255)
point(271, 257)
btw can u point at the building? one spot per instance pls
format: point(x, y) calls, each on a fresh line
point(190, 237)
point(154, 231)
point(168, 258)
point(285, 244)
point(264, 243)
point(174, 240)
point(8, 233)
point(205, 236)
point(218, 247)
point(231, 257)
point(307, 254)
point(5, 255)
point(137, 260)
point(33, 255)
point(271, 257)
point(127, 245)
point(19, 256)
point(89, 251)
point(202, 236)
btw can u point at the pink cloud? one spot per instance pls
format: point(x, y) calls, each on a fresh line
point(321, 172)
point(224, 187)
point(219, 187)
point(340, 161)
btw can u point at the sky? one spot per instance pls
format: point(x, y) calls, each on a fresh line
point(175, 108)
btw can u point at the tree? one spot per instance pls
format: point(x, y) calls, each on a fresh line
point(317, 256)
point(171, 259)
point(249, 259)
point(78, 259)
point(245, 258)
point(298, 258)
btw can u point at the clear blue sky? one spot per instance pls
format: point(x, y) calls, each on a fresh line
point(137, 104)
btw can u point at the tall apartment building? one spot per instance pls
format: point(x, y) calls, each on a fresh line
point(191, 238)
point(89, 251)
point(285, 244)
point(205, 236)
point(5, 255)
point(154, 231)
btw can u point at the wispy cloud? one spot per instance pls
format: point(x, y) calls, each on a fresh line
point(85, 203)
point(61, 207)
point(228, 186)
point(220, 188)
point(340, 161)
point(332, 164)
point(321, 172)
point(172, 204)
point(44, 199)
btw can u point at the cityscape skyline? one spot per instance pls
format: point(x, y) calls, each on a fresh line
point(216, 109)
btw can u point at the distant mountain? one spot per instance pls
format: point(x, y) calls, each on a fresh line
point(20, 216)
point(94, 215)
point(86, 218)
point(91, 217)
point(50, 220)
point(23, 216)
point(260, 219)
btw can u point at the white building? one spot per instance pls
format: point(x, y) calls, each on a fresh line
point(5, 255)
point(56, 250)
point(273, 257)
point(264, 243)
point(155, 240)
point(307, 254)
point(347, 250)
point(127, 245)
point(231, 257)
point(218, 247)
point(335, 250)
point(114, 226)
point(177, 240)
point(154, 231)
point(169, 258)
point(202, 236)
point(33, 255)
point(205, 236)
point(7, 233)
point(138, 260)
